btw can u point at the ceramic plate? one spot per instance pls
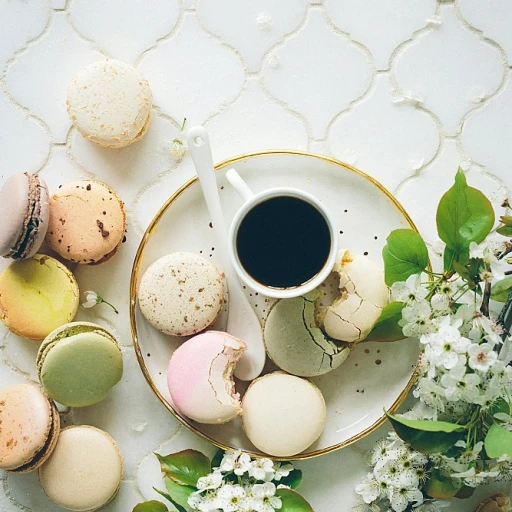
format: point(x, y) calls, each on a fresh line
point(375, 376)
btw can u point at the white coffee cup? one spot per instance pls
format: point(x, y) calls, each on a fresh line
point(252, 200)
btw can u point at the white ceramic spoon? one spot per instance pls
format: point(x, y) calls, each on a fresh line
point(242, 320)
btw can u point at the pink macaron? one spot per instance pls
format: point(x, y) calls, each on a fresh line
point(200, 377)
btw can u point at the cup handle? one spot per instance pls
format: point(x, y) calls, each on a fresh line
point(239, 185)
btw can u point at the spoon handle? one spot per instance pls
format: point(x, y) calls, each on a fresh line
point(242, 320)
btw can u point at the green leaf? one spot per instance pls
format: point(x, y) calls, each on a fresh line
point(293, 479)
point(427, 436)
point(217, 458)
point(292, 501)
point(498, 442)
point(179, 493)
point(464, 215)
point(185, 467)
point(177, 506)
point(501, 289)
point(405, 254)
point(465, 492)
point(500, 405)
point(150, 506)
point(449, 258)
point(387, 328)
point(504, 230)
point(462, 271)
point(441, 487)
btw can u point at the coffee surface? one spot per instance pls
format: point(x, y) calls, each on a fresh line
point(283, 242)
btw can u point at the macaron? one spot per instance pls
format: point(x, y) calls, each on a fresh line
point(79, 363)
point(295, 342)
point(200, 377)
point(181, 294)
point(37, 295)
point(85, 470)
point(29, 428)
point(24, 212)
point(109, 102)
point(283, 414)
point(87, 222)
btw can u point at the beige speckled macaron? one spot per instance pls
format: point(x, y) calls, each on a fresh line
point(181, 294)
point(87, 222)
point(85, 469)
point(109, 103)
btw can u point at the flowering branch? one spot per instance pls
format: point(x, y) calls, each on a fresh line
point(93, 299)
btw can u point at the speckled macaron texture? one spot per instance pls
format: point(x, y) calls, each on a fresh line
point(283, 414)
point(37, 295)
point(109, 102)
point(78, 364)
point(29, 426)
point(87, 222)
point(181, 294)
point(85, 470)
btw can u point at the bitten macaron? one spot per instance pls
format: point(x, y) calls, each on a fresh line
point(283, 414)
point(87, 222)
point(109, 102)
point(181, 294)
point(200, 377)
point(29, 428)
point(85, 470)
point(37, 295)
point(79, 363)
point(24, 212)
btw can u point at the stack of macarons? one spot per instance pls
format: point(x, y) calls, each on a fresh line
point(80, 467)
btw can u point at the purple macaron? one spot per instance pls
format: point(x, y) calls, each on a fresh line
point(24, 210)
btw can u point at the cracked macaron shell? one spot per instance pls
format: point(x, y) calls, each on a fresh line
point(283, 414)
point(37, 295)
point(87, 222)
point(85, 470)
point(200, 377)
point(364, 294)
point(296, 343)
point(29, 428)
point(109, 102)
point(79, 363)
point(181, 294)
point(24, 212)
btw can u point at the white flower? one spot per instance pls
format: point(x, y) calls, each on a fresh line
point(235, 461)
point(229, 497)
point(472, 478)
point(91, 299)
point(416, 319)
point(461, 385)
point(211, 481)
point(369, 489)
point(481, 326)
point(282, 471)
point(409, 291)
point(178, 150)
point(388, 471)
point(481, 357)
point(203, 502)
point(400, 497)
point(431, 393)
point(262, 469)
point(264, 499)
point(484, 251)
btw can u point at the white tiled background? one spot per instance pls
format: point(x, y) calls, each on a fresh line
point(406, 90)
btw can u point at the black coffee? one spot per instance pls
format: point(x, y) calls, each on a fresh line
point(283, 242)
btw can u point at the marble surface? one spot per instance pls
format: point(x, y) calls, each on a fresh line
point(406, 90)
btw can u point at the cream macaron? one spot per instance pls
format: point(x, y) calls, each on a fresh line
point(85, 469)
point(109, 102)
point(181, 294)
point(200, 377)
point(283, 414)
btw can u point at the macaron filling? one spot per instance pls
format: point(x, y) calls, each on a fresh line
point(43, 453)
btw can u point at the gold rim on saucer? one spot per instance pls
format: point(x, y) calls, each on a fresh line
point(133, 299)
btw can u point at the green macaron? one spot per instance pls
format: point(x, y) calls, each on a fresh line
point(78, 363)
